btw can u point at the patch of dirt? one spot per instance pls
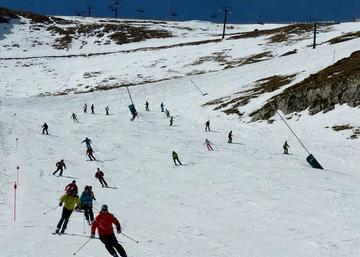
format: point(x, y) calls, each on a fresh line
point(336, 84)
point(120, 33)
point(289, 53)
point(249, 60)
point(279, 35)
point(342, 127)
point(219, 57)
point(93, 74)
point(231, 104)
point(356, 134)
point(225, 60)
point(345, 37)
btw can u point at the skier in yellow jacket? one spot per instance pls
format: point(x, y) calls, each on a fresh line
point(71, 201)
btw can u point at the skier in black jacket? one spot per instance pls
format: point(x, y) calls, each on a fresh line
point(45, 129)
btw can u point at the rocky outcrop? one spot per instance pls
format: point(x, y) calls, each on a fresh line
point(7, 14)
point(320, 92)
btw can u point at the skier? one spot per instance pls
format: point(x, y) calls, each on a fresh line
point(176, 158)
point(167, 113)
point(45, 129)
point(207, 126)
point(147, 106)
point(85, 108)
point(71, 201)
point(59, 167)
point(92, 109)
point(72, 187)
point(230, 137)
point(86, 201)
point(286, 148)
point(162, 107)
point(107, 110)
point(103, 223)
point(208, 144)
point(89, 152)
point(74, 117)
point(171, 120)
point(87, 142)
point(100, 176)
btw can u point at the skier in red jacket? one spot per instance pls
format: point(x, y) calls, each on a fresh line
point(89, 152)
point(103, 223)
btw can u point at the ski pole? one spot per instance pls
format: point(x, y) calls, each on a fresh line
point(51, 210)
point(87, 241)
point(12, 125)
point(130, 238)
point(84, 223)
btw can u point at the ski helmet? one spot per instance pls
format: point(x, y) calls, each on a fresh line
point(104, 208)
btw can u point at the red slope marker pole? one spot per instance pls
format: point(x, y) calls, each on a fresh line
point(15, 187)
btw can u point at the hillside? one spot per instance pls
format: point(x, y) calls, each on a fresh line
point(242, 199)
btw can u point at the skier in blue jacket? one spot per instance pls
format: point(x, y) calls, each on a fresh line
point(88, 142)
point(86, 200)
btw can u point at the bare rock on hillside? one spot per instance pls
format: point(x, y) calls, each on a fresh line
point(320, 92)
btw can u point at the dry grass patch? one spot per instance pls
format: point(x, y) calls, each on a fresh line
point(278, 35)
point(231, 104)
point(356, 133)
point(289, 53)
point(342, 127)
point(345, 37)
point(93, 74)
point(225, 60)
point(249, 60)
point(120, 33)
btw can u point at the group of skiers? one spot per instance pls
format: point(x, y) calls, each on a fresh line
point(103, 222)
point(92, 108)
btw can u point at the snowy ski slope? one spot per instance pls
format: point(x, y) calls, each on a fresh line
point(242, 199)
